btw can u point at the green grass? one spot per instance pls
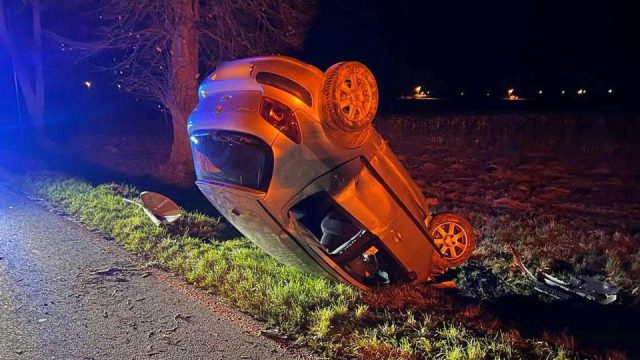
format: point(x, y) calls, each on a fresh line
point(336, 320)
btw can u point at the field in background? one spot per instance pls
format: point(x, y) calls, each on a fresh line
point(565, 163)
point(599, 134)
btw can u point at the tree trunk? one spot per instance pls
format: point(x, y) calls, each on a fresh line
point(179, 167)
point(184, 83)
point(37, 112)
point(30, 74)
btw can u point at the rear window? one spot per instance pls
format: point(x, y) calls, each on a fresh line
point(285, 84)
point(232, 158)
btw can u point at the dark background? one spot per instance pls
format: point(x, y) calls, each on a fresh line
point(480, 46)
point(445, 46)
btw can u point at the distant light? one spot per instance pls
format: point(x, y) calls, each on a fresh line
point(461, 93)
point(488, 93)
point(562, 92)
point(419, 93)
point(428, 92)
point(511, 94)
point(540, 92)
point(88, 84)
point(582, 91)
point(610, 91)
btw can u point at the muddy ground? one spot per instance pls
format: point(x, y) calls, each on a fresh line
point(605, 192)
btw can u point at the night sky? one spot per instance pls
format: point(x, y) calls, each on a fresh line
point(482, 45)
point(446, 46)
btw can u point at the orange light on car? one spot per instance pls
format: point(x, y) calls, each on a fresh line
point(281, 117)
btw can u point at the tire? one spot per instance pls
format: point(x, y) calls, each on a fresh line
point(349, 98)
point(454, 238)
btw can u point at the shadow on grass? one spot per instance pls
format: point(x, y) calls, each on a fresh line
point(585, 327)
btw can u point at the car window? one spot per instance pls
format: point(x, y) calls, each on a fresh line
point(232, 158)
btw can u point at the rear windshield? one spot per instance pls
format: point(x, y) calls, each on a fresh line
point(285, 84)
point(232, 158)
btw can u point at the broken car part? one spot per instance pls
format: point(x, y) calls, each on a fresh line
point(581, 287)
point(159, 208)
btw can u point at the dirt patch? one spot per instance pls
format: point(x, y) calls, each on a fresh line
point(545, 182)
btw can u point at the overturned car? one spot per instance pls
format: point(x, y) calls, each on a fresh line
point(289, 156)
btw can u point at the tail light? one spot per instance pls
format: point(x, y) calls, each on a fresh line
point(281, 117)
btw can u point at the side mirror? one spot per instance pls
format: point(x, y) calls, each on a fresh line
point(159, 208)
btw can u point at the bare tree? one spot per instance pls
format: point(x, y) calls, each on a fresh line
point(27, 62)
point(160, 45)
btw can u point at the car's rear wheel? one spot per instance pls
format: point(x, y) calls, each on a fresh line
point(349, 102)
point(454, 238)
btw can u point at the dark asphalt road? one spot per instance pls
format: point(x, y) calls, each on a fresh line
point(53, 303)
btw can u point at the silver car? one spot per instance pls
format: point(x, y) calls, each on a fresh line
point(288, 155)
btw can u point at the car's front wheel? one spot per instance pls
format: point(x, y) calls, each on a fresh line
point(454, 238)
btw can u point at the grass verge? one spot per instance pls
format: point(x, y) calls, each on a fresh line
point(336, 320)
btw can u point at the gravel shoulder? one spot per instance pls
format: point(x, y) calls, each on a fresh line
point(66, 292)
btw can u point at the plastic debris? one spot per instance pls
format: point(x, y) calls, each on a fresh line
point(578, 287)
